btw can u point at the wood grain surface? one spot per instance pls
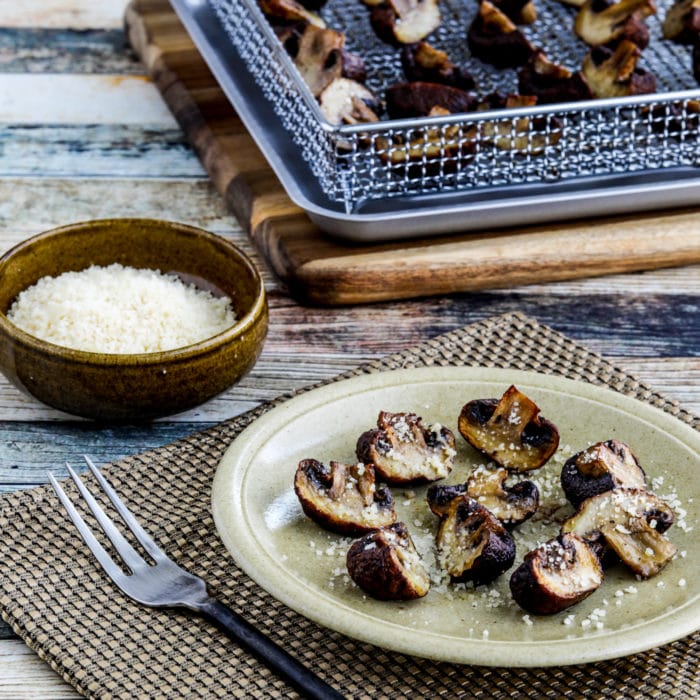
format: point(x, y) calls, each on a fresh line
point(54, 172)
point(322, 270)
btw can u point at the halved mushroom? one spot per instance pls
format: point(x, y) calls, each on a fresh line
point(631, 523)
point(520, 11)
point(605, 22)
point(512, 505)
point(472, 545)
point(601, 467)
point(288, 12)
point(346, 101)
point(319, 57)
point(385, 564)
point(510, 431)
point(558, 574)
point(405, 21)
point(550, 82)
point(682, 22)
point(494, 38)
point(404, 451)
point(615, 74)
point(422, 62)
point(343, 498)
point(408, 100)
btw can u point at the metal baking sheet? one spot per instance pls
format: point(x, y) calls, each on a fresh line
point(415, 215)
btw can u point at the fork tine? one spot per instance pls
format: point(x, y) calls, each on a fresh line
point(141, 535)
point(129, 555)
point(112, 570)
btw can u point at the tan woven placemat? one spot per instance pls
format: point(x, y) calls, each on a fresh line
point(106, 646)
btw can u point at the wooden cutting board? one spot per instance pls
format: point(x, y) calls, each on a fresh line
point(321, 270)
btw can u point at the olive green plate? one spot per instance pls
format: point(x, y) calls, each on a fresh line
point(262, 525)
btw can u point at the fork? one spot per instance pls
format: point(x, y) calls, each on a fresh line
point(164, 584)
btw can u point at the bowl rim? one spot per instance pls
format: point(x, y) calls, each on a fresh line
point(182, 353)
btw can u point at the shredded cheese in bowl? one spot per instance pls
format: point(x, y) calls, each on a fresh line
point(120, 310)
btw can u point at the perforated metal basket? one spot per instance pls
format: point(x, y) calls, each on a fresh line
point(416, 170)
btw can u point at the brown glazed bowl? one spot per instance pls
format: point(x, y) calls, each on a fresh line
point(123, 387)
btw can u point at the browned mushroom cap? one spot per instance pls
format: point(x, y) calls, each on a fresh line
point(354, 67)
point(408, 100)
point(615, 74)
point(520, 11)
point(346, 101)
point(556, 575)
point(422, 62)
point(289, 11)
point(400, 22)
point(343, 498)
point(630, 521)
point(494, 39)
point(550, 82)
point(404, 451)
point(385, 564)
point(605, 22)
point(512, 505)
point(682, 22)
point(510, 431)
point(472, 545)
point(601, 467)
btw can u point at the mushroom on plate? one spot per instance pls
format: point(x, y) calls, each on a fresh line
point(510, 431)
point(601, 467)
point(472, 544)
point(494, 38)
point(631, 523)
point(682, 22)
point(405, 451)
point(512, 505)
point(343, 498)
point(400, 22)
point(422, 62)
point(551, 83)
point(556, 575)
point(615, 74)
point(385, 564)
point(606, 22)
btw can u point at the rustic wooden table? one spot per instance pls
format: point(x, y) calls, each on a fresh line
point(84, 134)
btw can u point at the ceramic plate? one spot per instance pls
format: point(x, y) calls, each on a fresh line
point(262, 524)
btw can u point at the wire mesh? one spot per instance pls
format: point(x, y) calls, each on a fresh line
point(510, 148)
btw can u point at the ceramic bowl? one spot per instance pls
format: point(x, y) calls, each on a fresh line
point(124, 387)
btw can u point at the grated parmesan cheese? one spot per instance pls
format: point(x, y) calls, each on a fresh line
point(118, 309)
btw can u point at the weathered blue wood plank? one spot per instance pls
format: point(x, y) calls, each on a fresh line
point(25, 50)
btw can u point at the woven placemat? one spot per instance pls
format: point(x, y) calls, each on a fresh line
point(106, 646)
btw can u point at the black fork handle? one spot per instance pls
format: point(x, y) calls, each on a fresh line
point(268, 652)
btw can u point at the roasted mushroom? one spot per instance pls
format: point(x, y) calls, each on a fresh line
point(289, 12)
point(682, 22)
point(385, 564)
point(550, 82)
point(512, 505)
point(556, 575)
point(510, 431)
point(319, 57)
point(472, 545)
point(615, 74)
point(354, 67)
point(520, 11)
point(343, 498)
point(601, 467)
point(346, 101)
point(400, 22)
point(422, 62)
point(404, 451)
point(408, 100)
point(606, 22)
point(493, 38)
point(631, 523)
